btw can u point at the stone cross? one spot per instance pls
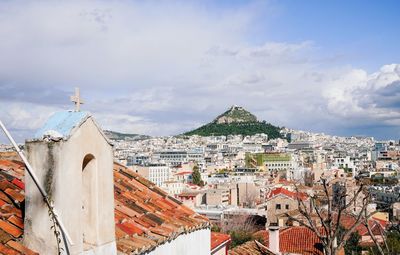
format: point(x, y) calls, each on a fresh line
point(77, 100)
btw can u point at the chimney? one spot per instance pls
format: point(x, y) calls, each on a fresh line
point(274, 237)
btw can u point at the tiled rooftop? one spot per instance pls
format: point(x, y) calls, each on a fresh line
point(12, 199)
point(146, 216)
point(376, 225)
point(298, 240)
point(285, 192)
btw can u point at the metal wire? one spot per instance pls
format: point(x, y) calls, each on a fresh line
point(64, 233)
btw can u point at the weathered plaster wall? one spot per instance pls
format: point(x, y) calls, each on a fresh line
point(58, 166)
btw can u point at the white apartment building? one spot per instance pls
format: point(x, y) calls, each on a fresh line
point(345, 163)
point(279, 165)
point(157, 173)
point(173, 158)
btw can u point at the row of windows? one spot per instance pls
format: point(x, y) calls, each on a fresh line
point(158, 175)
point(172, 156)
point(278, 164)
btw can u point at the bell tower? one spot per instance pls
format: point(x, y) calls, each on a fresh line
point(73, 161)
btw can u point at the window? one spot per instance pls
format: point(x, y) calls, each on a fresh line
point(278, 206)
point(287, 207)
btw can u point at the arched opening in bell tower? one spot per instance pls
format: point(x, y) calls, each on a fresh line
point(89, 201)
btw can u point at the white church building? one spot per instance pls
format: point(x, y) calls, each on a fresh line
point(105, 207)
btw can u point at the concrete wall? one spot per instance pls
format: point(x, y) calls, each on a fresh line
point(58, 166)
point(248, 193)
point(194, 243)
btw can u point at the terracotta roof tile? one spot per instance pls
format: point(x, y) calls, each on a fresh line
point(7, 250)
point(130, 228)
point(142, 223)
point(12, 210)
point(119, 233)
point(10, 228)
point(119, 206)
point(17, 196)
point(18, 183)
point(5, 184)
point(4, 197)
point(21, 248)
point(2, 202)
point(4, 236)
point(16, 221)
point(298, 240)
point(285, 192)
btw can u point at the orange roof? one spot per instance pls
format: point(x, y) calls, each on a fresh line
point(12, 199)
point(377, 226)
point(285, 192)
point(217, 239)
point(299, 240)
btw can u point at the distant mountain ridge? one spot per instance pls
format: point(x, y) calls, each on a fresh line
point(237, 121)
point(112, 135)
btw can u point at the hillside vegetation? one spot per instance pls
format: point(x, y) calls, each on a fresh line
point(237, 121)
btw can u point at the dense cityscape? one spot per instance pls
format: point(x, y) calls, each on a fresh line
point(248, 186)
point(202, 127)
point(225, 177)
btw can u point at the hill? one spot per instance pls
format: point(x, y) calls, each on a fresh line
point(237, 121)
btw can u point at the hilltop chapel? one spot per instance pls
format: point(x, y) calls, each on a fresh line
point(105, 207)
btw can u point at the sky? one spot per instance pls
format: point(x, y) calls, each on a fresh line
point(166, 67)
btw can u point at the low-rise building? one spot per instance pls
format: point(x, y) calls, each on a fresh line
point(280, 201)
point(192, 199)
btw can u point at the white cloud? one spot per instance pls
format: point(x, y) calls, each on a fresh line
point(369, 98)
